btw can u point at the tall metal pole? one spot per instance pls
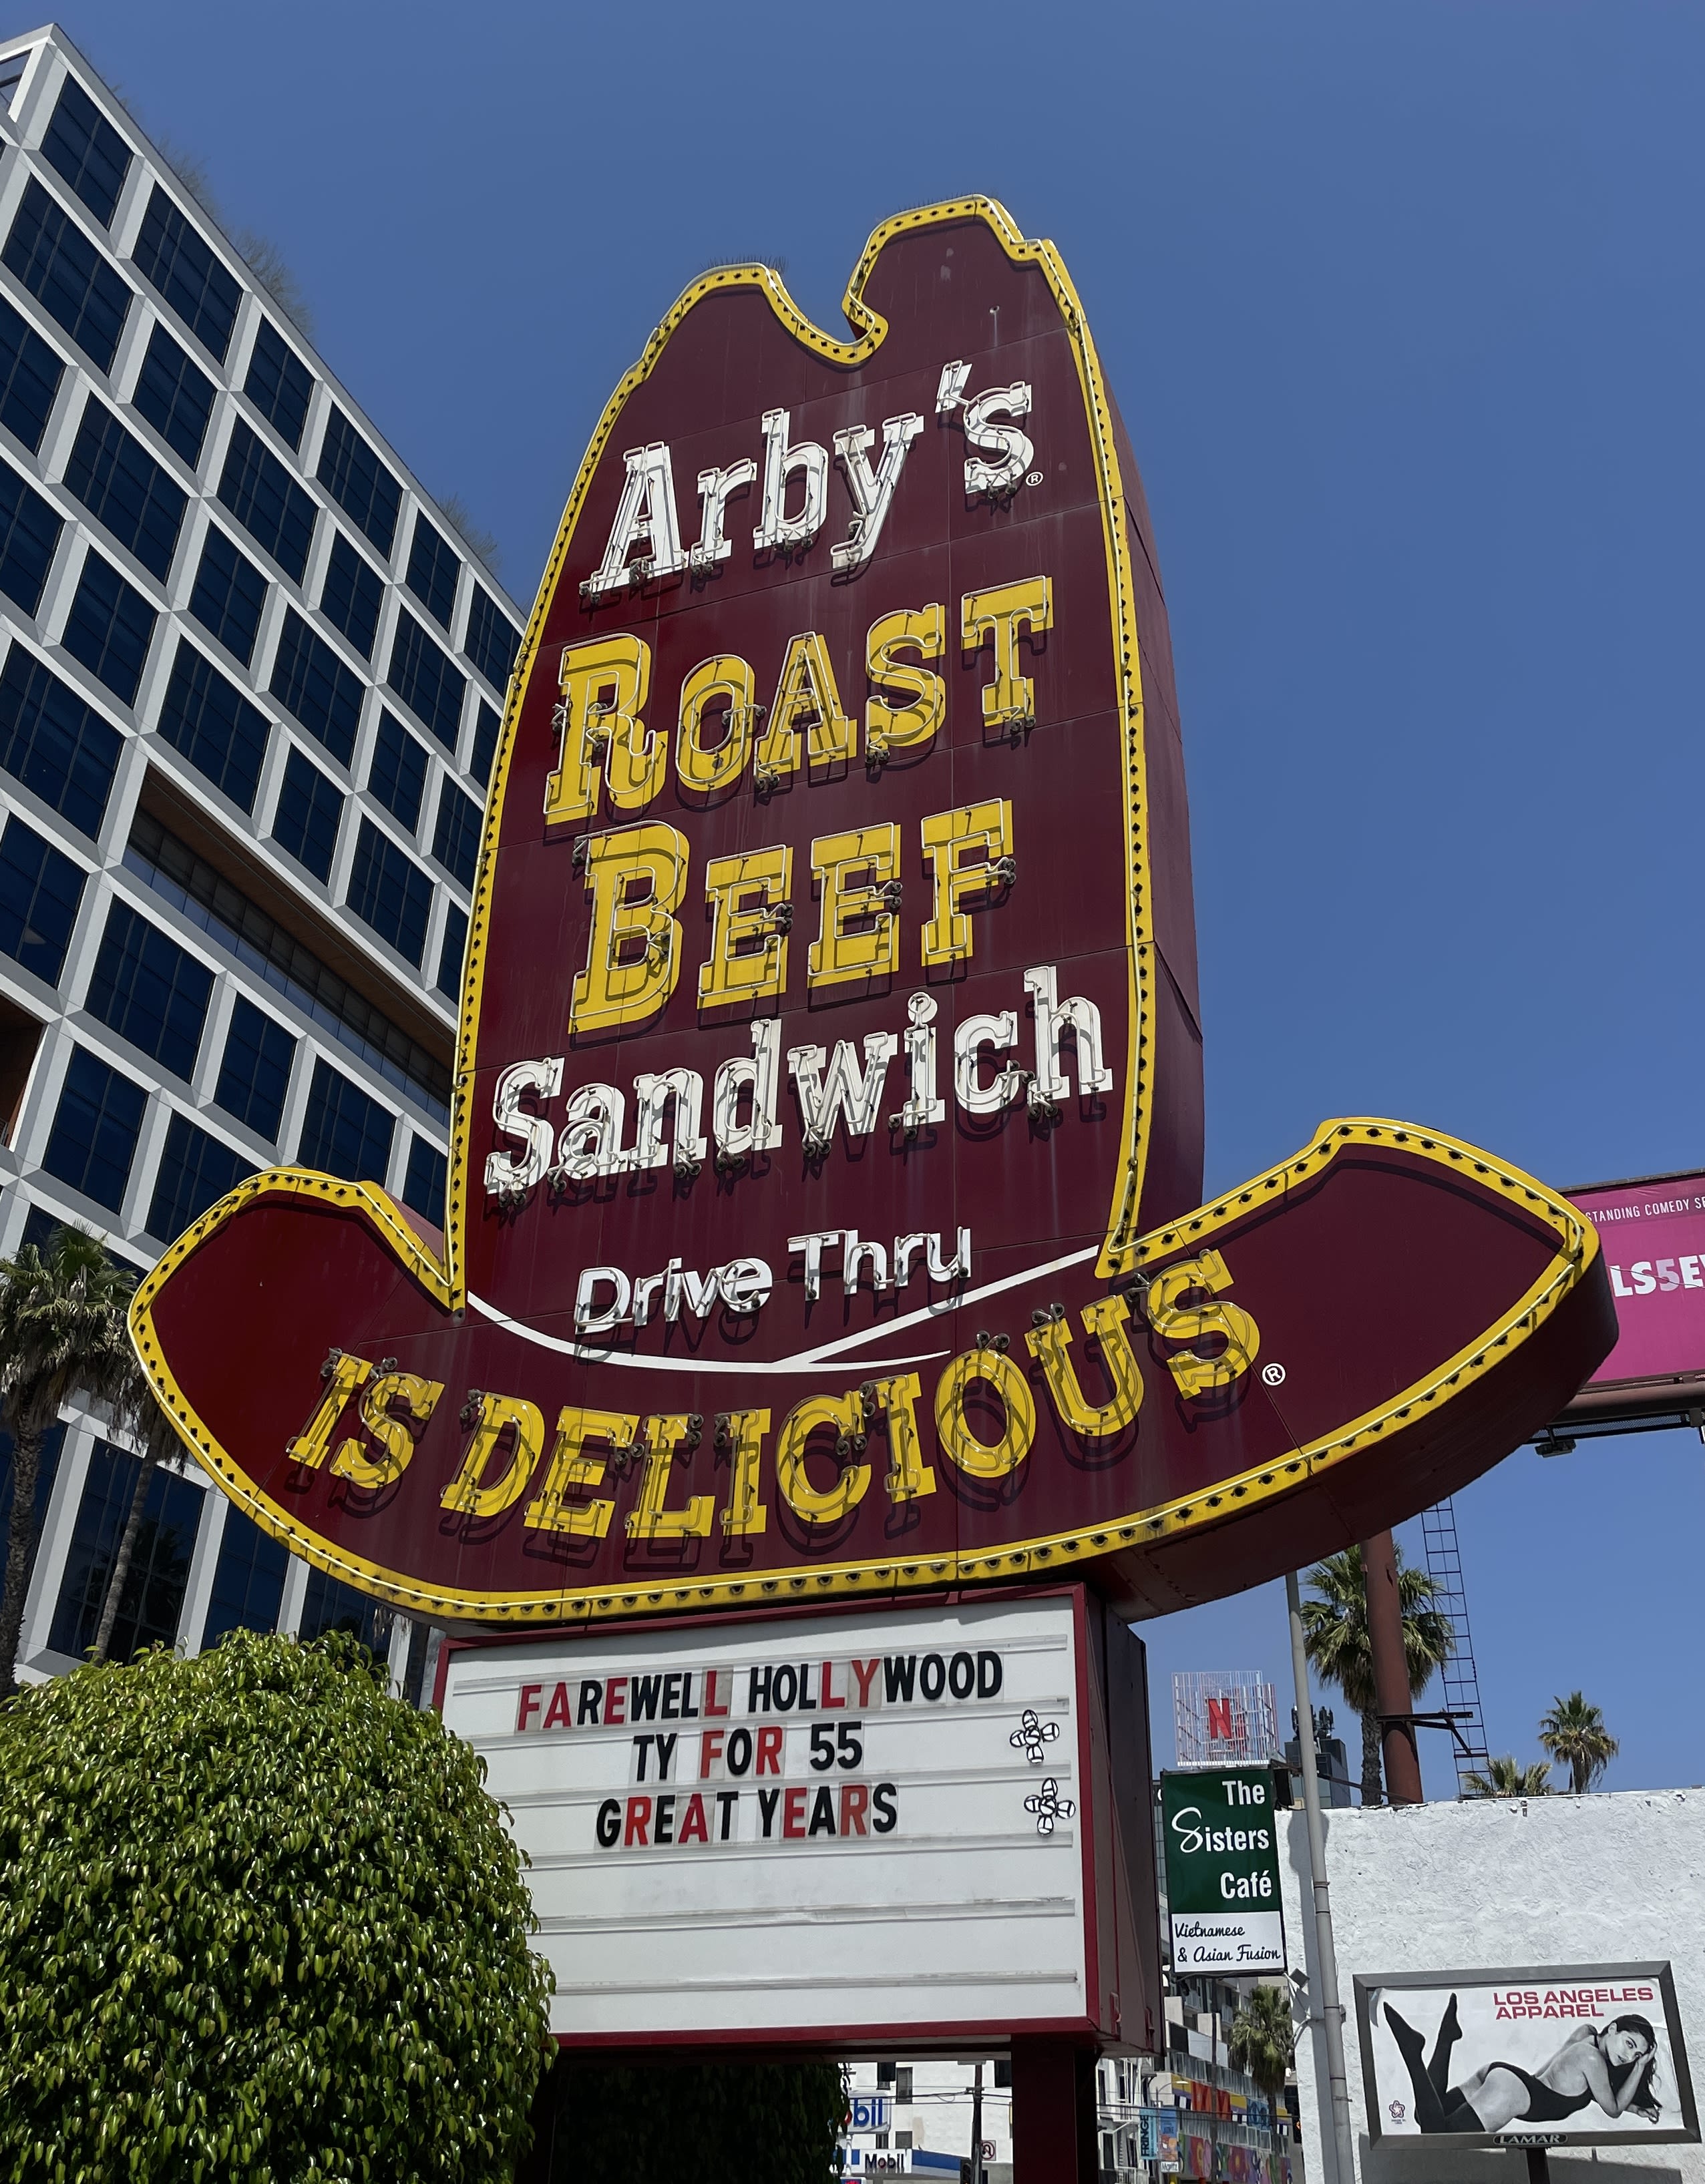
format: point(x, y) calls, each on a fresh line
point(1325, 1956)
point(976, 2126)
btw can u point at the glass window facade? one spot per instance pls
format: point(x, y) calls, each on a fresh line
point(151, 1601)
point(93, 1139)
point(174, 394)
point(29, 377)
point(397, 774)
point(352, 595)
point(254, 1073)
point(344, 1132)
point(196, 1171)
point(266, 500)
point(424, 677)
point(57, 746)
point(29, 537)
point(41, 890)
point(228, 596)
point(46, 1470)
point(485, 750)
point(433, 569)
point(423, 1185)
point(181, 265)
point(309, 807)
point(149, 990)
point(493, 639)
point(122, 487)
point(83, 146)
point(451, 950)
point(320, 691)
point(360, 483)
point(330, 1605)
point(248, 1579)
point(207, 718)
point(66, 274)
point(456, 840)
point(110, 627)
point(278, 384)
point(390, 892)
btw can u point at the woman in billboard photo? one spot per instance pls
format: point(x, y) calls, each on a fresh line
point(1613, 2066)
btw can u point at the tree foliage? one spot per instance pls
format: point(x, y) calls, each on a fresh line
point(1506, 1777)
point(1334, 1629)
point(759, 2123)
point(1261, 2042)
point(261, 1925)
point(1574, 1735)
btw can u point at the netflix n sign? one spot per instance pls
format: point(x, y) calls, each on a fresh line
point(827, 1132)
point(865, 1825)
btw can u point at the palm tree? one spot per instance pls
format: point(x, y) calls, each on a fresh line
point(1505, 1778)
point(160, 1446)
point(64, 1332)
point(1335, 1629)
point(1574, 1735)
point(1261, 2042)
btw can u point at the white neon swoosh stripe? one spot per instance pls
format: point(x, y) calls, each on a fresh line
point(802, 1361)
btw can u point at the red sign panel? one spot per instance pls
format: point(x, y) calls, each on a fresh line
point(828, 1112)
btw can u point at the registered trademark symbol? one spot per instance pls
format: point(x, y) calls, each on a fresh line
point(1273, 1375)
point(1034, 478)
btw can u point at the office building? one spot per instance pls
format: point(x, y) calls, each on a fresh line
point(250, 684)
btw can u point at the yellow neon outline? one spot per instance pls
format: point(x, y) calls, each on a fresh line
point(1578, 1247)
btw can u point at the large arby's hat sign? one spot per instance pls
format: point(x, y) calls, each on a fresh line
point(827, 1132)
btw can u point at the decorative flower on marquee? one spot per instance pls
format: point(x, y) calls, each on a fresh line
point(1049, 1806)
point(1031, 1735)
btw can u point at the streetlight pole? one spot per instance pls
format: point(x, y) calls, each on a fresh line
point(976, 2126)
point(1326, 1957)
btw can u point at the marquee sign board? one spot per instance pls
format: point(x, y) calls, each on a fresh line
point(827, 1119)
point(903, 1823)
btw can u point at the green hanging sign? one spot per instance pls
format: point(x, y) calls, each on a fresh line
point(1221, 1853)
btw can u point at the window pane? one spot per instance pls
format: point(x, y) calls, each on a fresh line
point(46, 1470)
point(248, 1579)
point(152, 1600)
point(330, 1605)
point(425, 676)
point(67, 275)
point(456, 844)
point(110, 627)
point(451, 951)
point(360, 483)
point(54, 743)
point(40, 892)
point(278, 384)
point(485, 744)
point(254, 1075)
point(423, 1187)
point(83, 145)
point(433, 569)
point(398, 775)
point(28, 533)
point(214, 725)
point(230, 593)
point(312, 681)
point(493, 639)
point(149, 990)
point(30, 375)
point(93, 1139)
point(196, 1171)
point(351, 595)
point(344, 1131)
point(267, 501)
point(174, 394)
point(122, 486)
point(182, 266)
point(309, 807)
point(390, 892)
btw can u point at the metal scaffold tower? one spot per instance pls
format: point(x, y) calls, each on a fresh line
point(1462, 1678)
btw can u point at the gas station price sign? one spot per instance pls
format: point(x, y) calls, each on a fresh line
point(1221, 1862)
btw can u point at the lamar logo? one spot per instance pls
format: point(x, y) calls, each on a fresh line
point(827, 1147)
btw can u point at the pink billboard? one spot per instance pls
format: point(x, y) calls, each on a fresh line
point(1652, 1231)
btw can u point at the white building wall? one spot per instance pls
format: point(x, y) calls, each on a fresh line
point(1611, 1878)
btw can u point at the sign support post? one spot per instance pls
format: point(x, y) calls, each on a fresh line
point(1395, 1701)
point(1053, 2113)
point(1331, 2014)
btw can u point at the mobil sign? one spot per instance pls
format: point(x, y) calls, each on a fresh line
point(823, 1218)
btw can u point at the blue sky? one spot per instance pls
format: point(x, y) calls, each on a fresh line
point(1402, 307)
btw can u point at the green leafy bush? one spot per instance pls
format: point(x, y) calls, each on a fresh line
point(259, 1924)
point(756, 2123)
